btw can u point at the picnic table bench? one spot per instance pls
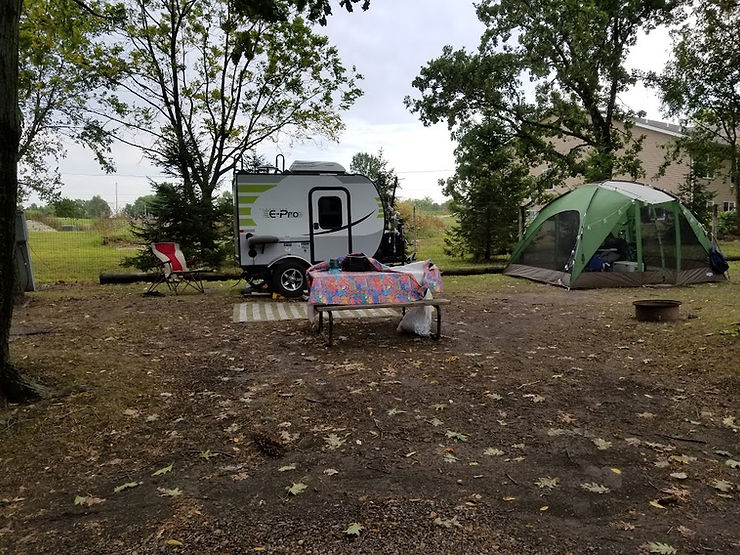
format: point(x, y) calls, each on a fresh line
point(331, 308)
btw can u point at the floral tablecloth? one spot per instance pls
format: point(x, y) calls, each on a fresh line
point(386, 284)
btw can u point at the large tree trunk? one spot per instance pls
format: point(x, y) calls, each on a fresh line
point(12, 386)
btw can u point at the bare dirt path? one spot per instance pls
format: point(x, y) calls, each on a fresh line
point(544, 421)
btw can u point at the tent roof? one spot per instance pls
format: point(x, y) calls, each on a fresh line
point(636, 191)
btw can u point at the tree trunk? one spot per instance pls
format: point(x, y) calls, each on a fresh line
point(12, 385)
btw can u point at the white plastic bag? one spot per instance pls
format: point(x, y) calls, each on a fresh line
point(418, 320)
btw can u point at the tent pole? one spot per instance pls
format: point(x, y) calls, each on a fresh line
point(677, 225)
point(638, 235)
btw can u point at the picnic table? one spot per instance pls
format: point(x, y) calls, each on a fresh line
point(382, 287)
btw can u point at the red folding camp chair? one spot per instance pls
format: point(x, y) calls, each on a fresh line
point(173, 269)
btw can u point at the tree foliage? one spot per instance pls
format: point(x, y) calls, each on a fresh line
point(701, 86)
point(59, 41)
point(201, 84)
point(375, 166)
point(487, 189)
point(550, 71)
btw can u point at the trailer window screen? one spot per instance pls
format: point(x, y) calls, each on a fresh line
point(330, 212)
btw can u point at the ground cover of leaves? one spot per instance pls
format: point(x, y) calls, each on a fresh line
point(543, 421)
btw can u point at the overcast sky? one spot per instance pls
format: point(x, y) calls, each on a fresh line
point(388, 44)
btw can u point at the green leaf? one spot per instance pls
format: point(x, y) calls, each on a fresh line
point(207, 455)
point(296, 488)
point(127, 485)
point(79, 500)
point(164, 470)
point(354, 529)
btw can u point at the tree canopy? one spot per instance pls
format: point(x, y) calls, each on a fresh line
point(375, 166)
point(58, 43)
point(550, 71)
point(700, 85)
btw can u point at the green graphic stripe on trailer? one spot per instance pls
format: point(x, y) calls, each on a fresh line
point(242, 189)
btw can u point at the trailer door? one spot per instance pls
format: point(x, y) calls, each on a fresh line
point(329, 221)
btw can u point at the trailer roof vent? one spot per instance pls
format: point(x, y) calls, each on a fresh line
point(304, 166)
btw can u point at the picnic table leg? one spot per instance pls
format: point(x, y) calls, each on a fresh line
point(331, 325)
point(321, 321)
point(439, 322)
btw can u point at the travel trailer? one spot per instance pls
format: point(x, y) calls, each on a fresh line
point(289, 220)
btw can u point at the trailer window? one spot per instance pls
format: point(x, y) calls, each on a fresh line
point(330, 212)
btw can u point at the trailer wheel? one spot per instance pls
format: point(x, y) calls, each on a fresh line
point(289, 279)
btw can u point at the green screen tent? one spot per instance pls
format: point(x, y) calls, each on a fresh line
point(614, 234)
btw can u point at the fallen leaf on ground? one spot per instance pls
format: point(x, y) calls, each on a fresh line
point(601, 444)
point(722, 485)
point(447, 523)
point(493, 452)
point(732, 463)
point(593, 487)
point(679, 475)
point(174, 492)
point(654, 503)
point(331, 471)
point(297, 488)
point(683, 459)
point(127, 485)
point(394, 411)
point(334, 441)
point(457, 436)
point(175, 543)
point(509, 498)
point(660, 548)
point(354, 529)
point(88, 500)
point(164, 470)
point(548, 482)
point(287, 467)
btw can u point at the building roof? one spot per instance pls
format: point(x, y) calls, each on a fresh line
point(659, 126)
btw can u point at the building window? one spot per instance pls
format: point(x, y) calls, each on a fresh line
point(728, 207)
point(330, 212)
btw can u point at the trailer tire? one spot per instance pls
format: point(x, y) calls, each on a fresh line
point(289, 278)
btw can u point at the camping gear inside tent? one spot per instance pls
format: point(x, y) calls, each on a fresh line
point(614, 234)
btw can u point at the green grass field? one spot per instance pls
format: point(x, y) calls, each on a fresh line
point(81, 256)
point(74, 256)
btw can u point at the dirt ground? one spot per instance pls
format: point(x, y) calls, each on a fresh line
point(543, 421)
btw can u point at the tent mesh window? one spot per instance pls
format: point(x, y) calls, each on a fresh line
point(553, 243)
point(693, 254)
point(658, 239)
